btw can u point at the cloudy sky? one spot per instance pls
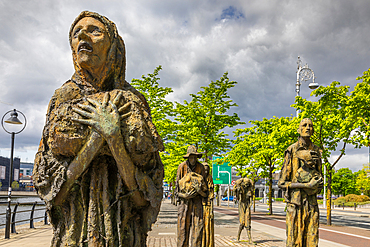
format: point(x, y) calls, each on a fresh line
point(257, 42)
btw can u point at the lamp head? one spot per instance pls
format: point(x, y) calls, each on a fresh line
point(13, 118)
point(313, 85)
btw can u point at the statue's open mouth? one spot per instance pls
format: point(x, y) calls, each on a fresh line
point(84, 46)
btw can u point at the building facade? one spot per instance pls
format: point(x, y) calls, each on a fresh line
point(4, 171)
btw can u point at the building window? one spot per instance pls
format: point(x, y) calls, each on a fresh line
point(16, 174)
point(2, 172)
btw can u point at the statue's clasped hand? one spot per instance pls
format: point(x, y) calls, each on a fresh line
point(188, 195)
point(316, 182)
point(103, 117)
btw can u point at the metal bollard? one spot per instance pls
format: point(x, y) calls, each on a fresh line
point(13, 218)
point(46, 218)
point(31, 217)
point(355, 206)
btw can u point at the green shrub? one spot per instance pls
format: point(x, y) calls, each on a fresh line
point(15, 185)
point(364, 198)
point(356, 198)
point(339, 201)
point(352, 204)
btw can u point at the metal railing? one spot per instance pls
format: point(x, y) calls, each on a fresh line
point(30, 219)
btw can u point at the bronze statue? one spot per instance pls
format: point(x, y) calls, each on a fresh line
point(191, 190)
point(244, 195)
point(301, 177)
point(98, 168)
point(208, 216)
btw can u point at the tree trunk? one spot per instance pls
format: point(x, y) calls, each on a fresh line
point(328, 199)
point(254, 197)
point(270, 190)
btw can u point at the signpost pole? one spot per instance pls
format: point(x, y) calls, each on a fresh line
point(228, 195)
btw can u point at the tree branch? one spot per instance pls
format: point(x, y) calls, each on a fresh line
point(340, 156)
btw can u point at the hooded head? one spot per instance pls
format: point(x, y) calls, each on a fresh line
point(113, 65)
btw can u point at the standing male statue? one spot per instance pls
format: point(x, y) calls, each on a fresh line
point(244, 194)
point(98, 168)
point(209, 223)
point(301, 178)
point(191, 189)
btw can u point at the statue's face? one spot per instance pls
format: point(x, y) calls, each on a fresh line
point(192, 159)
point(90, 42)
point(305, 128)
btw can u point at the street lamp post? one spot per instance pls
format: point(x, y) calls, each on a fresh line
point(12, 120)
point(304, 73)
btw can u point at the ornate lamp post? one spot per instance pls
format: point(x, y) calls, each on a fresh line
point(304, 73)
point(12, 120)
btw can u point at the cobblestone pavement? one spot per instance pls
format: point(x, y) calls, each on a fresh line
point(226, 227)
point(220, 241)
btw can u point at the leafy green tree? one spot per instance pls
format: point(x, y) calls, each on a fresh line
point(259, 149)
point(344, 182)
point(162, 111)
point(245, 166)
point(203, 119)
point(172, 157)
point(363, 181)
point(358, 111)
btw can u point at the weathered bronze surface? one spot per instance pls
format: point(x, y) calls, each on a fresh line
point(208, 216)
point(244, 194)
point(98, 168)
point(191, 190)
point(301, 178)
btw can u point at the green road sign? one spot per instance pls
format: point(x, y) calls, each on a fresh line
point(221, 174)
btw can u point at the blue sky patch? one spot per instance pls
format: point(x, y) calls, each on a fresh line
point(231, 13)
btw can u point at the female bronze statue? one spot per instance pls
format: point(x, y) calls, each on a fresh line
point(98, 168)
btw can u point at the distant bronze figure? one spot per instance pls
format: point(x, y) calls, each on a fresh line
point(301, 177)
point(191, 190)
point(98, 168)
point(208, 216)
point(244, 195)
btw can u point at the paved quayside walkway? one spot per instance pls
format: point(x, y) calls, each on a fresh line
point(164, 231)
point(226, 228)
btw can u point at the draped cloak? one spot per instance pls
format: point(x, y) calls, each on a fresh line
point(98, 210)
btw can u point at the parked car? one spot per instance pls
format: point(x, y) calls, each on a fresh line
point(231, 198)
